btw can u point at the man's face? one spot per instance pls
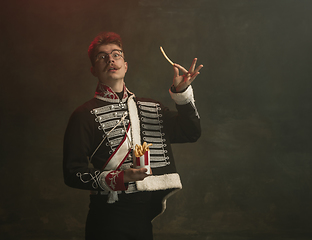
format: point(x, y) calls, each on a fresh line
point(109, 70)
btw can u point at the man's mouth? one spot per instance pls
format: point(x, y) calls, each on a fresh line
point(112, 69)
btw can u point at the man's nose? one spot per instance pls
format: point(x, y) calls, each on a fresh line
point(110, 58)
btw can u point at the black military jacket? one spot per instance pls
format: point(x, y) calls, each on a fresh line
point(91, 122)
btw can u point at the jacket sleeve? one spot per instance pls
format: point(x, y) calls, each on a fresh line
point(79, 144)
point(183, 125)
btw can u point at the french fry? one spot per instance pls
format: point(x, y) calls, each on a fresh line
point(136, 150)
point(147, 146)
point(140, 150)
point(142, 157)
point(163, 52)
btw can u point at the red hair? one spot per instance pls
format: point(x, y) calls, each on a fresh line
point(100, 39)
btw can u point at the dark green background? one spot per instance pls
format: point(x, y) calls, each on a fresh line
point(248, 177)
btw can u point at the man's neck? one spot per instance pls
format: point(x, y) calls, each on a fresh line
point(117, 86)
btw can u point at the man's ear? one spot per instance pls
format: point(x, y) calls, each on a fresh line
point(126, 66)
point(92, 70)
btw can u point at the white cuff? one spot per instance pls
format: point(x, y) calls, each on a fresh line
point(183, 97)
point(160, 182)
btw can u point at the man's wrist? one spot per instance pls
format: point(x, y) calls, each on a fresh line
point(174, 89)
point(184, 97)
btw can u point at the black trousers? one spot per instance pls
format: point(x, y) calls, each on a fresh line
point(127, 219)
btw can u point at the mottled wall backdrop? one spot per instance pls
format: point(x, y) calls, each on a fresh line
point(248, 176)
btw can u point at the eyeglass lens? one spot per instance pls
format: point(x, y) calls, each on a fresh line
point(115, 55)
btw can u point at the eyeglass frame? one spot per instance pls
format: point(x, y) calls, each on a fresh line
point(107, 54)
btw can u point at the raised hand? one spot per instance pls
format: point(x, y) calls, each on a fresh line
point(181, 82)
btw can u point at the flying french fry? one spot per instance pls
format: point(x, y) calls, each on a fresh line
point(163, 52)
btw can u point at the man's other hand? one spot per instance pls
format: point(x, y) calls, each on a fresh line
point(132, 174)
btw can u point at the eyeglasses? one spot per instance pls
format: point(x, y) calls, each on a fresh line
point(116, 54)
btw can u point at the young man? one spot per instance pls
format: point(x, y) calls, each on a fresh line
point(100, 138)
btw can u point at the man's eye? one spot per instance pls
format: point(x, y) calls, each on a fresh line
point(101, 56)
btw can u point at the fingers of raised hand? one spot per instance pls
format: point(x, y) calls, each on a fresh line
point(193, 65)
point(198, 68)
point(193, 77)
point(192, 69)
point(180, 67)
point(176, 71)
